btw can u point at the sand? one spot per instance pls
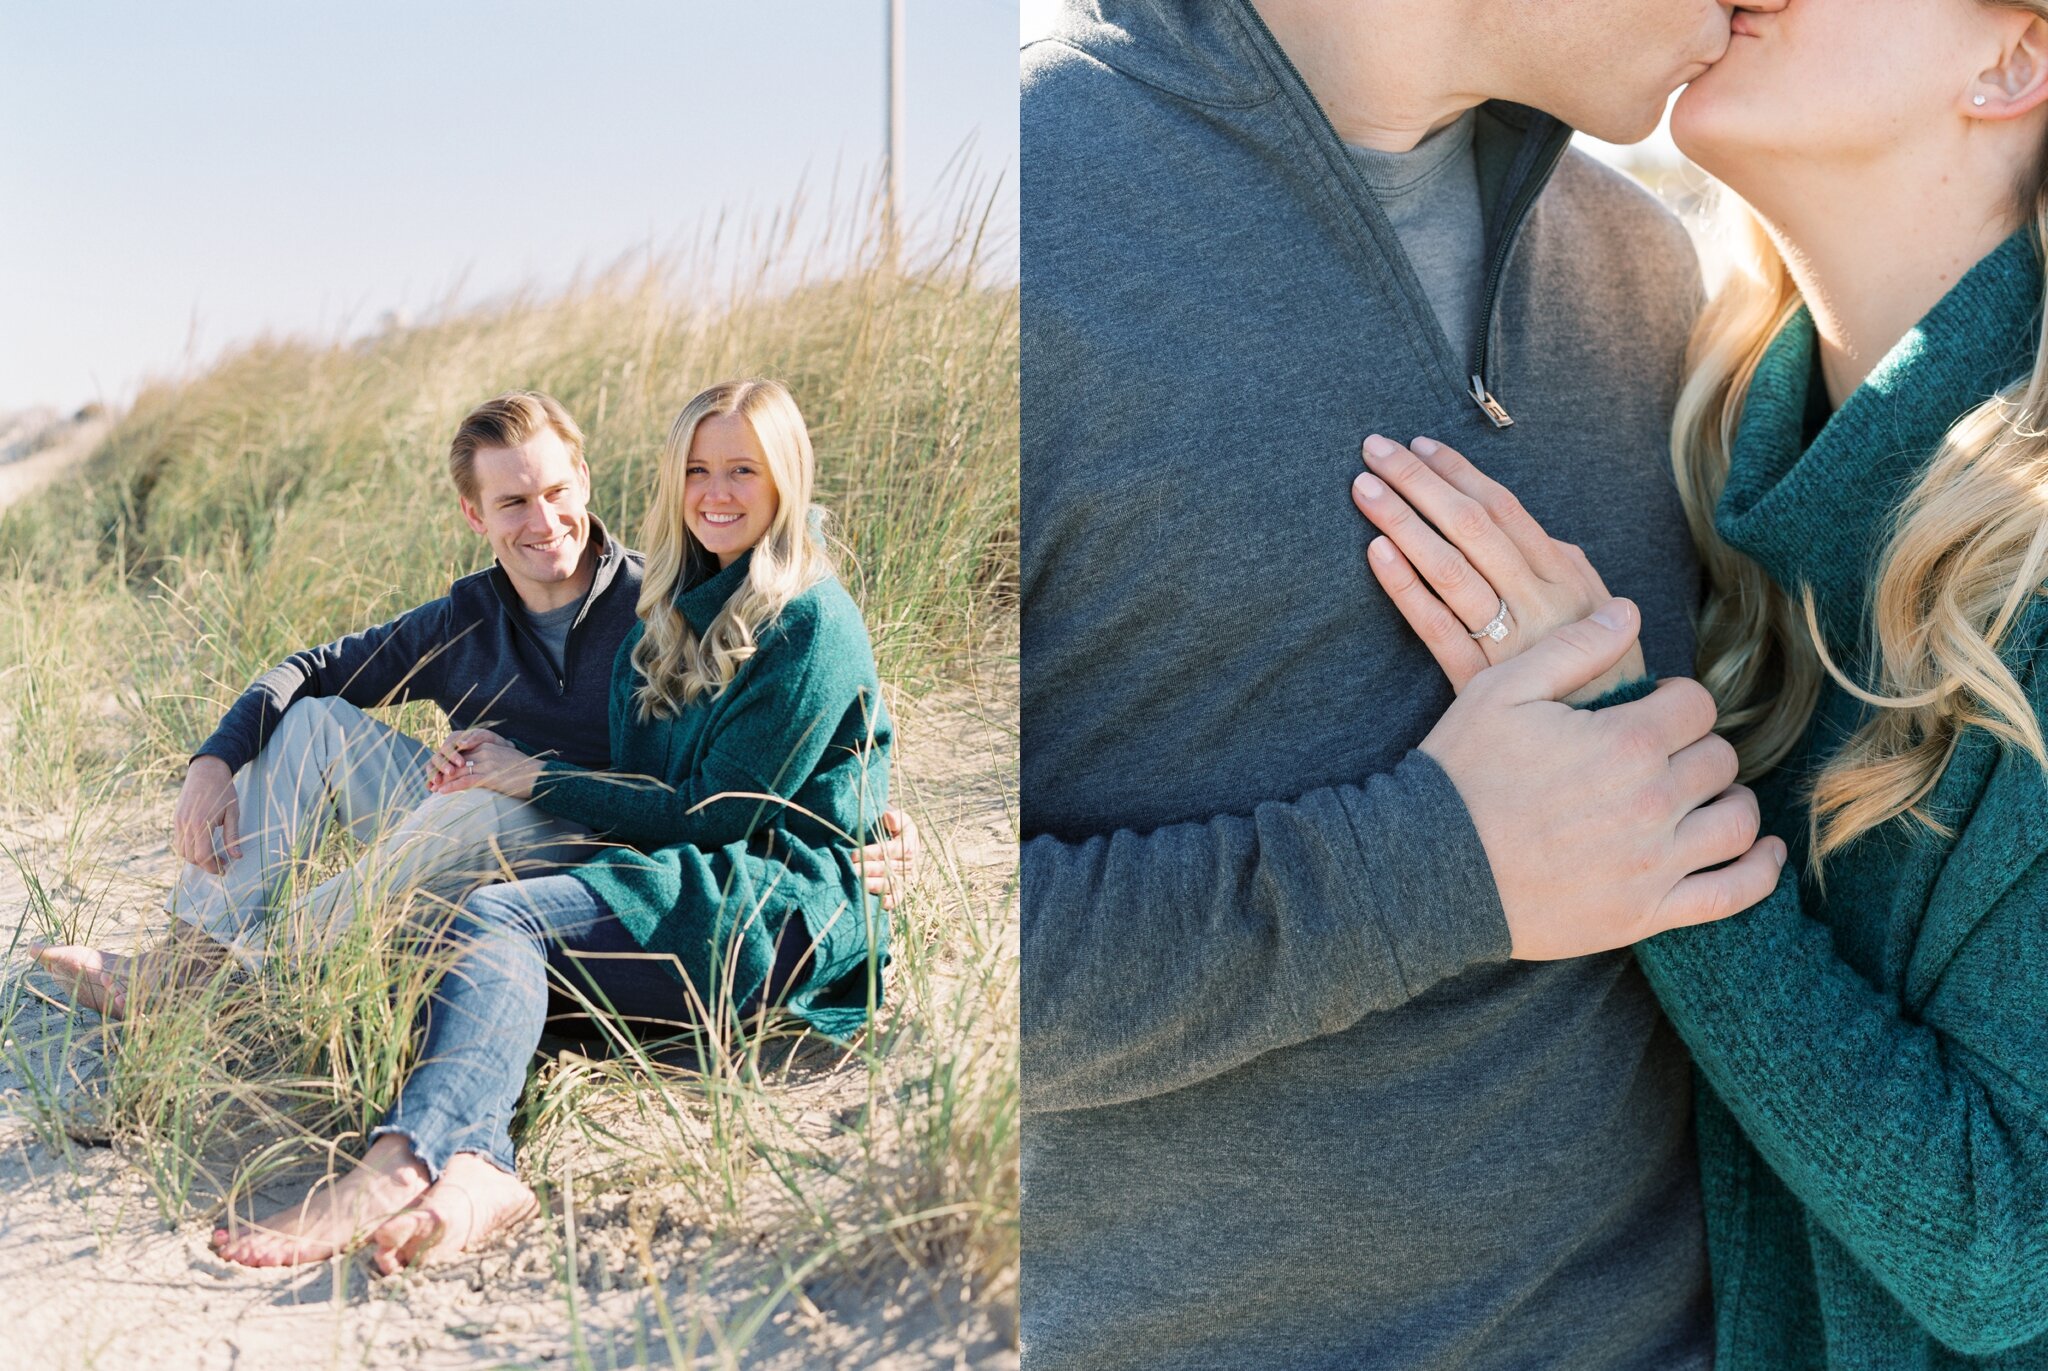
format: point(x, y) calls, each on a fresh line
point(73, 443)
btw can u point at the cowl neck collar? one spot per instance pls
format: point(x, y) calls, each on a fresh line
point(701, 601)
point(1820, 514)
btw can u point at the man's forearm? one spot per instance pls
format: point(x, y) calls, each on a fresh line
point(251, 718)
point(1152, 961)
point(366, 669)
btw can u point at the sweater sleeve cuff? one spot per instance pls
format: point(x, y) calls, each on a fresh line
point(567, 791)
point(221, 747)
point(1621, 694)
point(1427, 884)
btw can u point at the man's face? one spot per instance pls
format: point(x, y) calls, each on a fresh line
point(531, 503)
point(1607, 67)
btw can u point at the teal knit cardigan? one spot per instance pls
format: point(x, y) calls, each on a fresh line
point(743, 809)
point(1873, 1122)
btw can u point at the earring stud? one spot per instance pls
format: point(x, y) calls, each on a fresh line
point(1976, 99)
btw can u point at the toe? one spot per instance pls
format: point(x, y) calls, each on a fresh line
point(62, 960)
point(391, 1260)
point(387, 1237)
point(420, 1236)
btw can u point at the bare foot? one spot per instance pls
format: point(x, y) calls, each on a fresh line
point(334, 1214)
point(109, 982)
point(97, 980)
point(472, 1200)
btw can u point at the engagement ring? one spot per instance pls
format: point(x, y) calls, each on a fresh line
point(1498, 627)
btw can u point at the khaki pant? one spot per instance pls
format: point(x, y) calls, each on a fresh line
point(330, 762)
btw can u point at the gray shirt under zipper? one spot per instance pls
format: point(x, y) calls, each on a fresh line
point(552, 627)
point(1430, 194)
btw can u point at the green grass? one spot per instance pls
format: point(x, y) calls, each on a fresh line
point(297, 490)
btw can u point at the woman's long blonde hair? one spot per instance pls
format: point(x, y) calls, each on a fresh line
point(675, 665)
point(1966, 550)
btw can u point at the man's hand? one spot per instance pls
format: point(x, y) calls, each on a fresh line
point(888, 867)
point(478, 759)
point(1600, 824)
point(207, 802)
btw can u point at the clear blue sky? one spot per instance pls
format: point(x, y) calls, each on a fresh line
point(203, 172)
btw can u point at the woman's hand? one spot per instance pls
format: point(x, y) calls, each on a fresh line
point(888, 867)
point(478, 759)
point(1457, 545)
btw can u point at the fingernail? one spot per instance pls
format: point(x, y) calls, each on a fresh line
point(1424, 447)
point(1778, 851)
point(1378, 446)
point(1380, 550)
point(1614, 614)
point(1369, 486)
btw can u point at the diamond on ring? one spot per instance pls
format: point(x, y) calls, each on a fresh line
point(1496, 628)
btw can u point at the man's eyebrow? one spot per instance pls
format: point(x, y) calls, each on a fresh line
point(518, 495)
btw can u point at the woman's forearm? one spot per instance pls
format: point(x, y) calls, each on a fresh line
point(1902, 1138)
point(705, 811)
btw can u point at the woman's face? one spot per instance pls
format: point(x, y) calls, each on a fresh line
point(729, 497)
point(1834, 82)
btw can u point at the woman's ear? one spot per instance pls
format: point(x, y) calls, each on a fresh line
point(2018, 81)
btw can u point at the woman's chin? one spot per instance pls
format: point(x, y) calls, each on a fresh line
point(1698, 127)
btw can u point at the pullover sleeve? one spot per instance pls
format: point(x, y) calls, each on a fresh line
point(774, 734)
point(1155, 960)
point(1921, 1142)
point(393, 662)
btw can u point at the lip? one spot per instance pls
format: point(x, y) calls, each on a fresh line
point(721, 520)
point(550, 545)
point(1743, 25)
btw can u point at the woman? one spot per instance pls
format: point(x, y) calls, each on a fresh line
point(1870, 498)
point(751, 752)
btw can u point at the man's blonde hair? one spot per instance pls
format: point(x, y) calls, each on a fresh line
point(507, 421)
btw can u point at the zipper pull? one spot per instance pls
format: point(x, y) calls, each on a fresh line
point(1492, 408)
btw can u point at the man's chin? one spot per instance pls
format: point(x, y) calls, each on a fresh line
point(1622, 126)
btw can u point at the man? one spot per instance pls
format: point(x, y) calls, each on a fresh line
point(525, 647)
point(1297, 1093)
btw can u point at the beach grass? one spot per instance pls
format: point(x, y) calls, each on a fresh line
point(296, 490)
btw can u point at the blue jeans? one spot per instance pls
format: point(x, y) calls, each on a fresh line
point(485, 1018)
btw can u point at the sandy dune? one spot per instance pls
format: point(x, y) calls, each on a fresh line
point(32, 473)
